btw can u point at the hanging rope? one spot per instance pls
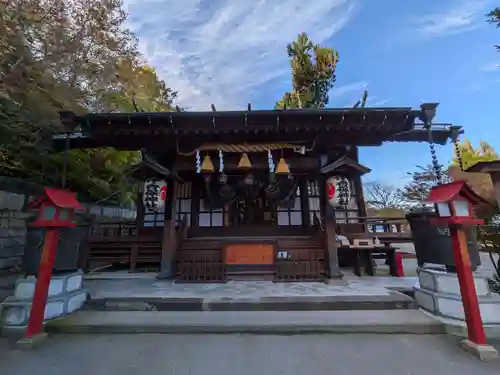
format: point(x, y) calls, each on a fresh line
point(432, 148)
point(198, 162)
point(458, 153)
point(221, 162)
point(243, 147)
point(270, 161)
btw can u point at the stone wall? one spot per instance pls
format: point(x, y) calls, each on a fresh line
point(13, 224)
point(12, 228)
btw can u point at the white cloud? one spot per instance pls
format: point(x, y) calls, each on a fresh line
point(379, 103)
point(225, 51)
point(458, 17)
point(354, 87)
point(490, 67)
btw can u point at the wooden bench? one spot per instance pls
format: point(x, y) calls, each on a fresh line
point(363, 250)
point(365, 256)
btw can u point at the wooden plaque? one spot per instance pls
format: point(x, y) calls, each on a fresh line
point(249, 253)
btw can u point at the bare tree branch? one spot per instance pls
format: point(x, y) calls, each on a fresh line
point(381, 196)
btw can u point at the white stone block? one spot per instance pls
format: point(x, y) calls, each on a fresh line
point(451, 306)
point(443, 282)
point(15, 316)
point(16, 312)
point(76, 302)
point(74, 282)
point(25, 287)
point(425, 300)
point(54, 309)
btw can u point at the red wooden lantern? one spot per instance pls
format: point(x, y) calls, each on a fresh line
point(454, 203)
point(454, 206)
point(56, 208)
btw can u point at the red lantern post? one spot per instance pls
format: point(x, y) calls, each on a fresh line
point(454, 207)
point(56, 209)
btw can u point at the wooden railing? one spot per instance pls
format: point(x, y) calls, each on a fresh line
point(489, 238)
point(113, 229)
point(118, 242)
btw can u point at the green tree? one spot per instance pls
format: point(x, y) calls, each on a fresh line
point(313, 74)
point(78, 56)
point(421, 183)
point(480, 182)
point(494, 18)
point(471, 155)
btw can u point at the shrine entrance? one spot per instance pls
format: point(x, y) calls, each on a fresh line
point(252, 208)
point(259, 203)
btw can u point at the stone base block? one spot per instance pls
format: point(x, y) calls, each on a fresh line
point(29, 343)
point(16, 312)
point(66, 283)
point(443, 282)
point(451, 306)
point(459, 328)
point(482, 352)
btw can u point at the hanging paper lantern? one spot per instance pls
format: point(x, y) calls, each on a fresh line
point(154, 194)
point(338, 191)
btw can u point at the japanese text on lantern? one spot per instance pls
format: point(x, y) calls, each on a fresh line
point(155, 192)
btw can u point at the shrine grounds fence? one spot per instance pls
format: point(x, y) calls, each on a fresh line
point(14, 196)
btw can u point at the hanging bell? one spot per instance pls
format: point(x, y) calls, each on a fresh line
point(245, 162)
point(207, 165)
point(282, 167)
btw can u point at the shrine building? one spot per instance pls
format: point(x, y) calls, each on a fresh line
point(254, 194)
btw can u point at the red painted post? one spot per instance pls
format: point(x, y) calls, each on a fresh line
point(399, 264)
point(475, 329)
point(47, 260)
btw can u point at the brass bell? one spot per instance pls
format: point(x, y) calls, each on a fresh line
point(245, 162)
point(207, 166)
point(282, 167)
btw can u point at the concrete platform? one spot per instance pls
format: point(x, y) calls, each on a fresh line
point(149, 287)
point(142, 294)
point(264, 322)
point(391, 301)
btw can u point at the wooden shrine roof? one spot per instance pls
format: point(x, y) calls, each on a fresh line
point(149, 165)
point(359, 126)
point(343, 164)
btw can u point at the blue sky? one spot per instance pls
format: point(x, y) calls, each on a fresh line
point(231, 52)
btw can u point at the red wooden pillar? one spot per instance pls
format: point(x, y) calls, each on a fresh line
point(467, 287)
point(47, 260)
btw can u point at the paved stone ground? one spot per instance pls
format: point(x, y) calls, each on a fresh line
point(245, 355)
point(151, 288)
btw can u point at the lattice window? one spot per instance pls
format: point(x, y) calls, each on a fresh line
point(154, 219)
point(209, 217)
point(183, 202)
point(313, 193)
point(293, 215)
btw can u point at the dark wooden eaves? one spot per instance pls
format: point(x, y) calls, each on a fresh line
point(344, 164)
point(149, 164)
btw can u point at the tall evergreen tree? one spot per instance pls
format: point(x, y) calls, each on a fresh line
point(313, 74)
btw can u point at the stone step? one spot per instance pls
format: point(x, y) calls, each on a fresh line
point(264, 322)
point(391, 301)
